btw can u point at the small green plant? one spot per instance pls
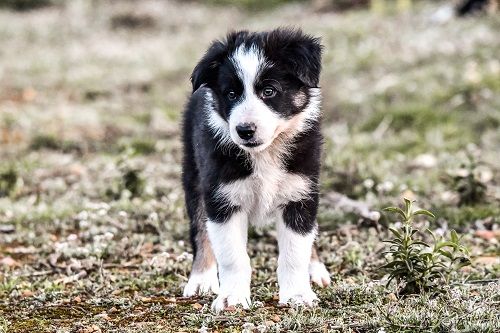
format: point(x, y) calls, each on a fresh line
point(4, 324)
point(8, 181)
point(45, 141)
point(415, 265)
point(140, 147)
point(249, 4)
point(130, 181)
point(468, 184)
point(24, 5)
point(133, 182)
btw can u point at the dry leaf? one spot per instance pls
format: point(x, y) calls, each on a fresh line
point(29, 94)
point(391, 297)
point(488, 234)
point(90, 329)
point(8, 261)
point(27, 293)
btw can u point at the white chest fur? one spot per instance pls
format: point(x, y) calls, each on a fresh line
point(269, 186)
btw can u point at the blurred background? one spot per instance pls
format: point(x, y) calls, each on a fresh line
point(411, 96)
point(92, 92)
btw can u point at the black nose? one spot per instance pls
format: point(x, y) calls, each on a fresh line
point(246, 130)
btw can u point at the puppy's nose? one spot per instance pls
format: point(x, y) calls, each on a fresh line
point(246, 130)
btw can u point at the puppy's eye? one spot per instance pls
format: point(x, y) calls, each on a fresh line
point(231, 95)
point(268, 92)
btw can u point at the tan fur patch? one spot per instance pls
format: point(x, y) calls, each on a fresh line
point(299, 100)
point(204, 259)
point(314, 254)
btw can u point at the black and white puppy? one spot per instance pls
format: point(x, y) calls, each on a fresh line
point(252, 146)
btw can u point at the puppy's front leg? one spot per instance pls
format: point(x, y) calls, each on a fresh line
point(295, 239)
point(229, 242)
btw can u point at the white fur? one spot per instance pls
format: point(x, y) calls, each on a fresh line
point(293, 266)
point(215, 121)
point(202, 283)
point(319, 274)
point(229, 241)
point(268, 187)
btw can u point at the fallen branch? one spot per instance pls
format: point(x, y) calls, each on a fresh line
point(348, 205)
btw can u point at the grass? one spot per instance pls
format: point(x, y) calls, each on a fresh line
point(93, 231)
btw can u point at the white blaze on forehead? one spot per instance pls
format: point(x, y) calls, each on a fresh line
point(248, 63)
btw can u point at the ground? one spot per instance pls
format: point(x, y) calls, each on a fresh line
point(93, 230)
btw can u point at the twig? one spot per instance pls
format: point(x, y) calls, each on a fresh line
point(486, 281)
point(342, 202)
point(36, 274)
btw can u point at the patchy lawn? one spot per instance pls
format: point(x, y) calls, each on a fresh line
point(93, 233)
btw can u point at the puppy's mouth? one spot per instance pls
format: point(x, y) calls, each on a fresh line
point(252, 144)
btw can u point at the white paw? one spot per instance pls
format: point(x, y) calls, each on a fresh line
point(202, 283)
point(233, 299)
point(307, 298)
point(319, 274)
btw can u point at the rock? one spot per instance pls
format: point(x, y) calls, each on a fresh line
point(9, 262)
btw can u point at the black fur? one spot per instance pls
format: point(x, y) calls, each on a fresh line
point(297, 65)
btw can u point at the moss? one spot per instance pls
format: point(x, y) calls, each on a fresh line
point(30, 325)
point(331, 220)
point(171, 112)
point(251, 4)
point(61, 312)
point(24, 5)
point(133, 21)
point(416, 117)
point(142, 118)
point(45, 141)
point(465, 216)
point(8, 181)
point(143, 146)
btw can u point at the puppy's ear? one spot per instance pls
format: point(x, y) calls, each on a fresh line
point(206, 70)
point(300, 53)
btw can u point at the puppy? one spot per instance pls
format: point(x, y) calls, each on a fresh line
point(252, 147)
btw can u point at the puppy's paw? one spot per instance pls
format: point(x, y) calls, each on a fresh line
point(224, 301)
point(202, 283)
point(307, 298)
point(319, 274)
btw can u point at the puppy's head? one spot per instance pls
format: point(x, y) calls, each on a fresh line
point(265, 84)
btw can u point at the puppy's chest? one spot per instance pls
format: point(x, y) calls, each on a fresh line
point(265, 190)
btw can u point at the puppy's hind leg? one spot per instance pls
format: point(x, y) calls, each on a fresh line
point(317, 270)
point(203, 278)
